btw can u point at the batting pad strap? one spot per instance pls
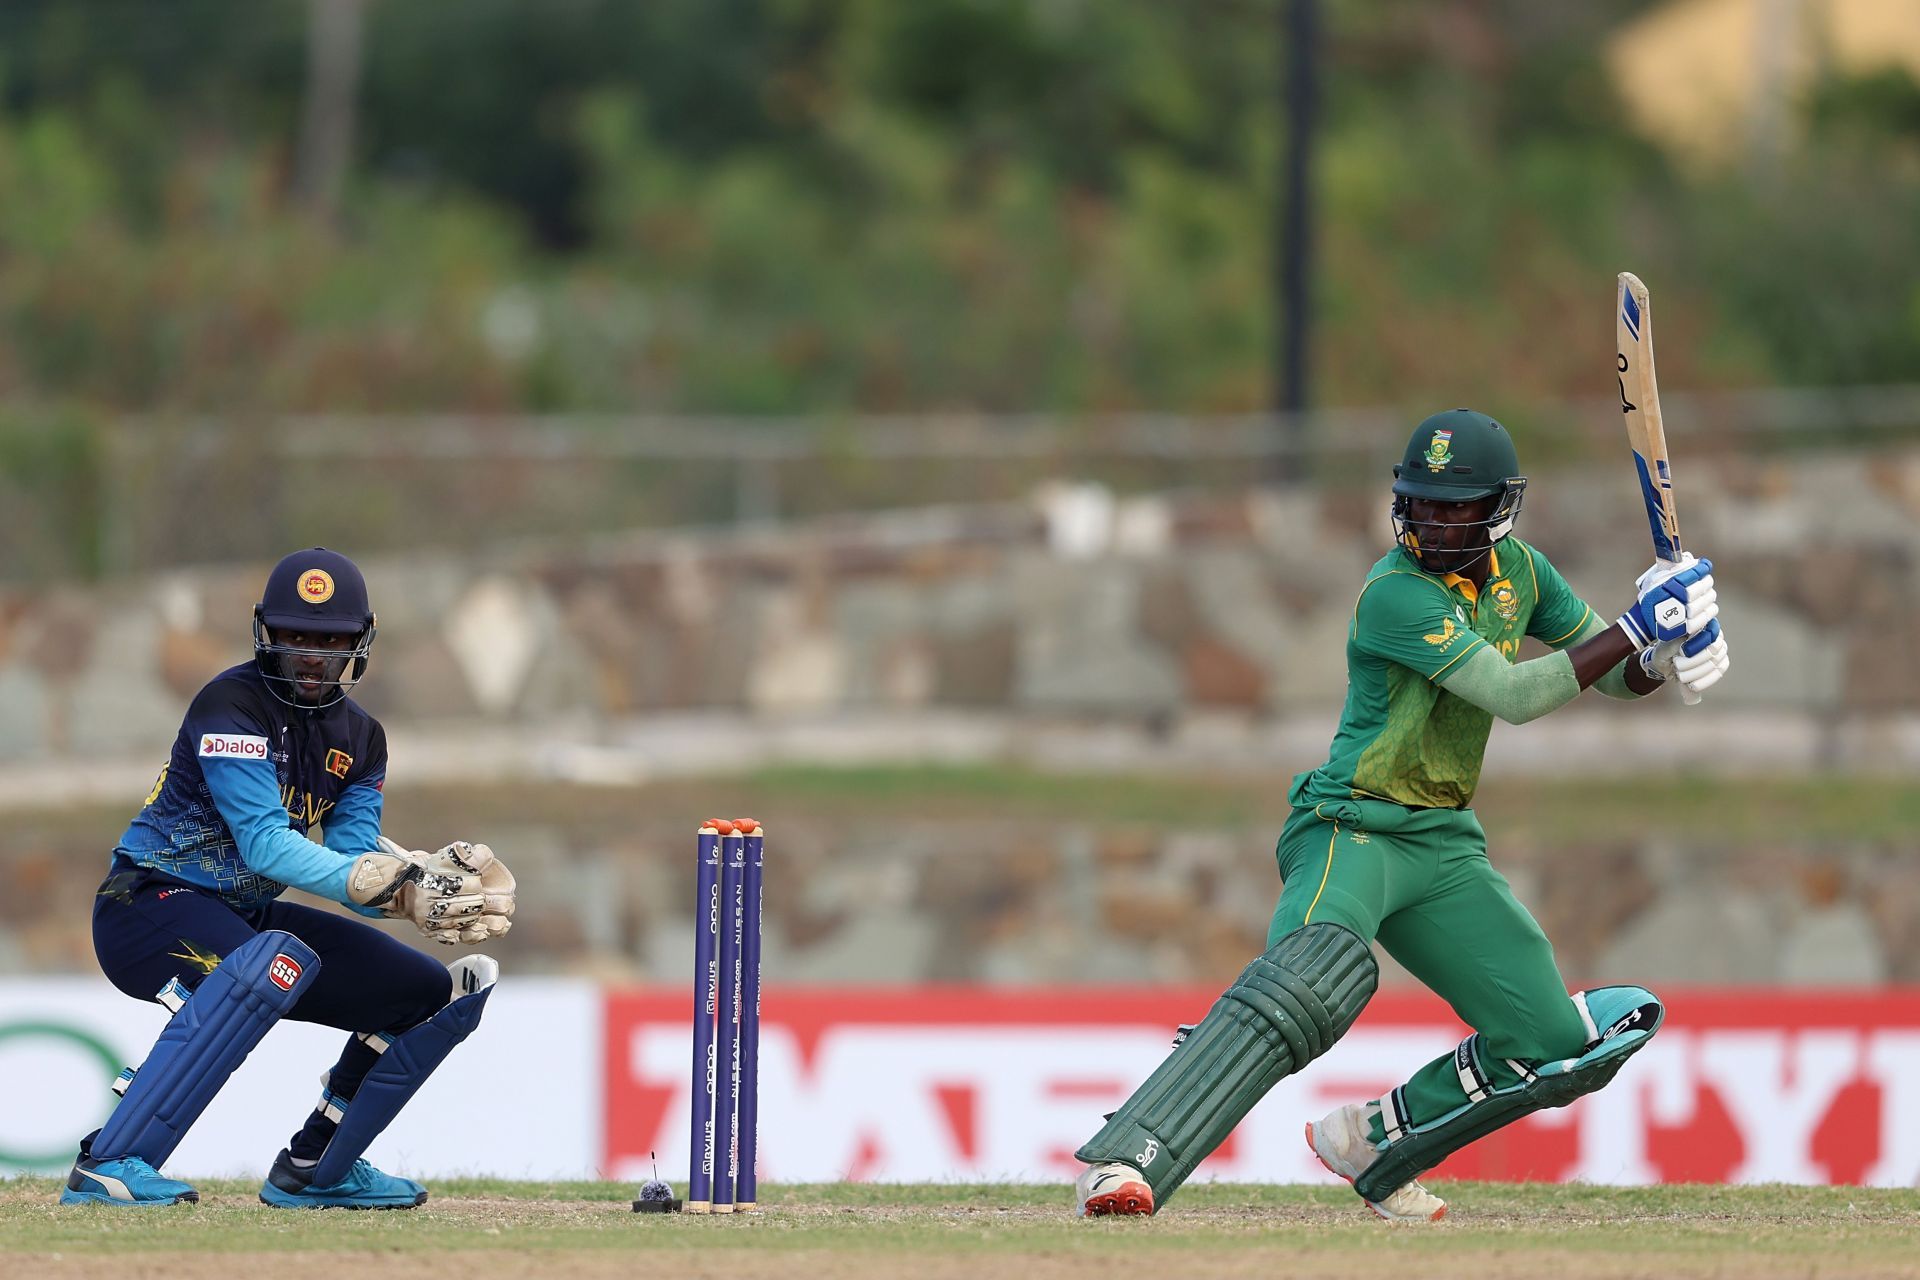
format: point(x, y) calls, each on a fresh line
point(1474, 1081)
point(1286, 1009)
point(409, 1058)
point(1586, 1017)
point(207, 1038)
point(1388, 1121)
point(1628, 1017)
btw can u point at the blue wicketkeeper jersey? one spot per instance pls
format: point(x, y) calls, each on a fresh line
point(248, 779)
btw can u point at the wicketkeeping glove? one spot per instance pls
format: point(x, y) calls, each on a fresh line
point(1674, 601)
point(497, 890)
point(399, 882)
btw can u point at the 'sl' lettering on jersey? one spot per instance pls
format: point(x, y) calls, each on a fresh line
point(248, 781)
point(1402, 737)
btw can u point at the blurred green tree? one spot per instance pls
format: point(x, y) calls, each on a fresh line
point(828, 205)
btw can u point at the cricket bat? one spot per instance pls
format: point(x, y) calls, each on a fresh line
point(1646, 433)
point(1640, 405)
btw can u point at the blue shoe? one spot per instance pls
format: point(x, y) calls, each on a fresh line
point(127, 1180)
point(364, 1187)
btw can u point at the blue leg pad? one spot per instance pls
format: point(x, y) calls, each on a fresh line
point(208, 1037)
point(405, 1063)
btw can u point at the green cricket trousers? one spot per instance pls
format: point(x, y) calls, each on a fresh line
point(1418, 881)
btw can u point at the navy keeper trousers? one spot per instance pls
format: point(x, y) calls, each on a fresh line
point(149, 927)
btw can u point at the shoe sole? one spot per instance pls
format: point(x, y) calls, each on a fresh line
point(1129, 1199)
point(71, 1196)
point(295, 1202)
point(1378, 1212)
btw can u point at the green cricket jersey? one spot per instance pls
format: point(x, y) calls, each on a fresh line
point(1402, 737)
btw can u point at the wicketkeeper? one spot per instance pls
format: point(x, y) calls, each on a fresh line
point(1382, 846)
point(189, 914)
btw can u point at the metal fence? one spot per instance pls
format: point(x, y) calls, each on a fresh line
point(133, 495)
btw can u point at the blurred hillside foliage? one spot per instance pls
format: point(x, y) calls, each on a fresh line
point(822, 207)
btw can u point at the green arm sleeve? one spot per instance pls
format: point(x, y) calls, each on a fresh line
point(1516, 692)
point(1563, 620)
point(1614, 683)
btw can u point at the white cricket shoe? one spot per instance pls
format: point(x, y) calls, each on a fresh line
point(1105, 1189)
point(1340, 1141)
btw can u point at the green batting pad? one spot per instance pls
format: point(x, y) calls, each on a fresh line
point(1624, 1017)
point(1286, 1009)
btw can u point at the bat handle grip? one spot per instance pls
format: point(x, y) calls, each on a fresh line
point(1687, 696)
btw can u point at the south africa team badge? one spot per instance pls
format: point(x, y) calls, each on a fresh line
point(1505, 602)
point(1440, 450)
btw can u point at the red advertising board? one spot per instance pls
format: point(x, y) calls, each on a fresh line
point(950, 1083)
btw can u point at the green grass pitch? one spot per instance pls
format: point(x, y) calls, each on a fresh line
point(481, 1229)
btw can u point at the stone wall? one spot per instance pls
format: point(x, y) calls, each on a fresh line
point(1147, 611)
point(1003, 901)
point(1158, 633)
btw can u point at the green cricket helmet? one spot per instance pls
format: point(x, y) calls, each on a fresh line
point(1457, 456)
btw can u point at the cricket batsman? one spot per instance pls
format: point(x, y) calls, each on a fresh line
point(1382, 845)
point(189, 915)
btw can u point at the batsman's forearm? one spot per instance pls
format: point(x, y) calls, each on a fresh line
point(1603, 653)
point(1516, 692)
point(1639, 683)
point(1625, 680)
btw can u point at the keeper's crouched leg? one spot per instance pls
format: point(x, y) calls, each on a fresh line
point(1618, 1019)
point(341, 1179)
point(1286, 1009)
point(213, 1029)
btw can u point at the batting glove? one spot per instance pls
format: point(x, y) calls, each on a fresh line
point(1675, 601)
